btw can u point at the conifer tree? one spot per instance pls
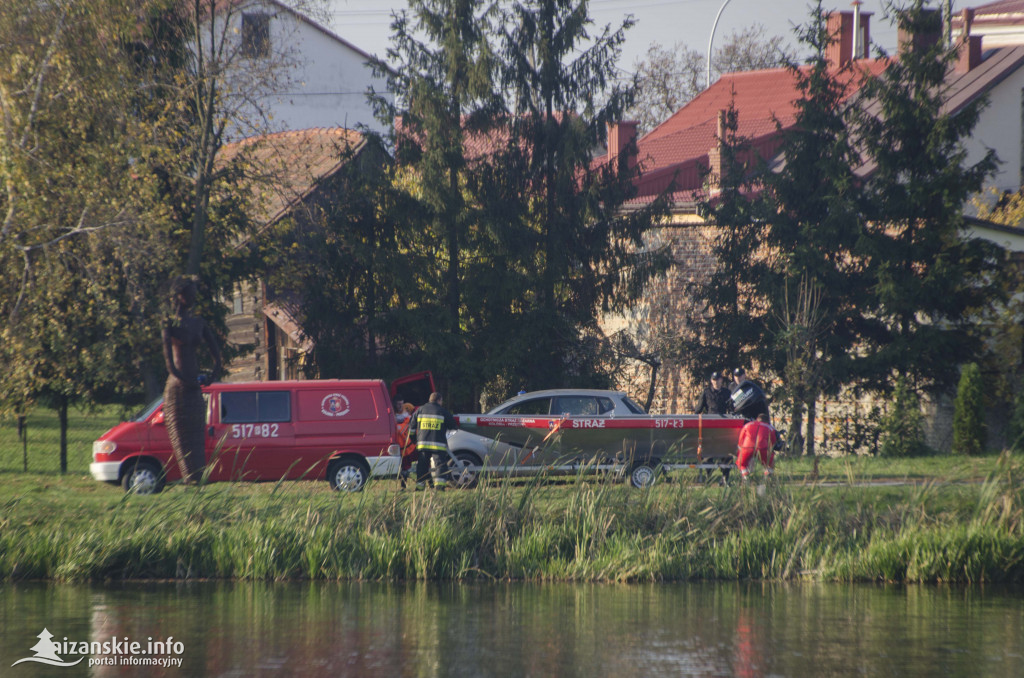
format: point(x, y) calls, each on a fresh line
point(926, 277)
point(969, 412)
point(557, 75)
point(730, 326)
point(816, 222)
point(439, 67)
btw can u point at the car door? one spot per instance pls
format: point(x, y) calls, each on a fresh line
point(251, 435)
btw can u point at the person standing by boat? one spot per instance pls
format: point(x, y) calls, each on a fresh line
point(757, 437)
point(715, 398)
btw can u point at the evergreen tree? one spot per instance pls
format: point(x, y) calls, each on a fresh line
point(969, 412)
point(903, 423)
point(440, 68)
point(816, 224)
point(926, 277)
point(589, 255)
point(729, 328)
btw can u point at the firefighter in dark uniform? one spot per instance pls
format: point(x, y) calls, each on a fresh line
point(715, 398)
point(429, 426)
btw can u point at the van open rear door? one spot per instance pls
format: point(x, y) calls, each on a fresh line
point(414, 388)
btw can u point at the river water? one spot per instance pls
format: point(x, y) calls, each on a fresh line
point(424, 630)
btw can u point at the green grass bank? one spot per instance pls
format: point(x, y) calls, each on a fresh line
point(73, 529)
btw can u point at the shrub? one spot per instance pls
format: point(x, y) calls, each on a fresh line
point(903, 424)
point(969, 412)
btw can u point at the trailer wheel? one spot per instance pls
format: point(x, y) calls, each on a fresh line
point(144, 477)
point(348, 475)
point(643, 474)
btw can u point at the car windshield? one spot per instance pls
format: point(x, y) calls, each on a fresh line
point(148, 410)
point(632, 406)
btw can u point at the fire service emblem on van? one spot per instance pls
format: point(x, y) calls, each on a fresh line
point(334, 405)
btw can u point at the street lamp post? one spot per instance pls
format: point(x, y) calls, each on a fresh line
point(712, 39)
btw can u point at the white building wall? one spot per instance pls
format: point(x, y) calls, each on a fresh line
point(311, 78)
point(1000, 128)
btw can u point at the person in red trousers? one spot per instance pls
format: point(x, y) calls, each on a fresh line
point(757, 437)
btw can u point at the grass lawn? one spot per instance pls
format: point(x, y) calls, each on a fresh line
point(41, 451)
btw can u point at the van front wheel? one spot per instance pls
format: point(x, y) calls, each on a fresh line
point(144, 477)
point(348, 475)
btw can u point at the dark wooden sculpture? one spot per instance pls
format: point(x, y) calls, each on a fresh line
point(184, 408)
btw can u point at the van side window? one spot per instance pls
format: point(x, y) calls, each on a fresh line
point(254, 407)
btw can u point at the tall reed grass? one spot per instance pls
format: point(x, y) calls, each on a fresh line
point(585, 530)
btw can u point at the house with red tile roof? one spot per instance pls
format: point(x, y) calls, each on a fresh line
point(677, 154)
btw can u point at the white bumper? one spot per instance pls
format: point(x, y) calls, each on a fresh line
point(105, 471)
point(384, 465)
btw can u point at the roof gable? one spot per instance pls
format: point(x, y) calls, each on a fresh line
point(293, 163)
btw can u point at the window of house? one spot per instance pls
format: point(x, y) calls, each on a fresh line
point(255, 35)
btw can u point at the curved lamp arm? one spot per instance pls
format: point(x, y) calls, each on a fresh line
point(712, 38)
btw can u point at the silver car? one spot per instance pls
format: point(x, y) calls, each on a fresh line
point(568, 430)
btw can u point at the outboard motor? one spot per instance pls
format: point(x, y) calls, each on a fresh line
point(748, 400)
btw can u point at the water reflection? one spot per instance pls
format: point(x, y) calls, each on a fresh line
point(427, 630)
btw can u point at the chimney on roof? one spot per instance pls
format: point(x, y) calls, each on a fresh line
point(715, 152)
point(924, 35)
point(850, 35)
point(968, 46)
point(620, 136)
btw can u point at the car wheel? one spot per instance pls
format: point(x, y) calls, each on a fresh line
point(462, 476)
point(348, 475)
point(144, 477)
point(643, 474)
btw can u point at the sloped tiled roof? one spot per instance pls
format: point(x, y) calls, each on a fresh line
point(765, 102)
point(964, 88)
point(293, 163)
point(1002, 7)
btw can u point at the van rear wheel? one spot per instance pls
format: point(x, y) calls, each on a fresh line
point(348, 475)
point(144, 477)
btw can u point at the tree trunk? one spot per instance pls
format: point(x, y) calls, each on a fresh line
point(812, 410)
point(650, 389)
point(796, 442)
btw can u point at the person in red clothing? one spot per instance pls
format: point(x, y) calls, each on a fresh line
point(403, 417)
point(758, 437)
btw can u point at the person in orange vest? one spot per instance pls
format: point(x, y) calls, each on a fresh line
point(403, 417)
point(757, 437)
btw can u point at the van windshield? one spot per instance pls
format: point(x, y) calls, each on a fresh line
point(148, 410)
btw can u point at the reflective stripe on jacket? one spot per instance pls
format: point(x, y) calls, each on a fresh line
point(430, 423)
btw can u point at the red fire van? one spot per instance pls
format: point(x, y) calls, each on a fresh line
point(340, 430)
